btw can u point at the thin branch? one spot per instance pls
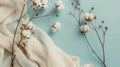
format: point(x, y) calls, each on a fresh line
point(92, 48)
point(41, 16)
point(27, 11)
point(102, 60)
point(104, 33)
point(94, 51)
point(74, 17)
point(104, 47)
point(97, 34)
point(73, 8)
point(102, 43)
point(13, 57)
point(79, 18)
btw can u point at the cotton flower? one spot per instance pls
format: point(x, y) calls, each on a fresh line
point(30, 26)
point(56, 26)
point(59, 5)
point(39, 4)
point(89, 16)
point(26, 34)
point(35, 2)
point(44, 6)
point(84, 28)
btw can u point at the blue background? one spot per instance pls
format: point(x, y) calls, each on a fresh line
point(72, 42)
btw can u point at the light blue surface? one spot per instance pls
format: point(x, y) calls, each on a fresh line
point(72, 42)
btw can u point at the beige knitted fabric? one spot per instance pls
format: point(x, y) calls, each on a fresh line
point(40, 49)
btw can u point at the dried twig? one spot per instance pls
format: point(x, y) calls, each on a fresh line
point(13, 55)
point(102, 43)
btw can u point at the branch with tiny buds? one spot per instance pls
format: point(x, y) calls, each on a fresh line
point(13, 55)
point(89, 17)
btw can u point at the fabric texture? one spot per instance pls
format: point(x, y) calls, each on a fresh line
point(40, 51)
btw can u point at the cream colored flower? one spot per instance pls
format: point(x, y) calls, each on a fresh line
point(35, 2)
point(30, 26)
point(59, 5)
point(91, 16)
point(56, 26)
point(26, 34)
point(88, 16)
point(84, 28)
point(44, 6)
point(39, 4)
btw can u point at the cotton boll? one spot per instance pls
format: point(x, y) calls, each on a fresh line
point(30, 26)
point(56, 26)
point(26, 33)
point(86, 16)
point(35, 2)
point(84, 28)
point(44, 6)
point(61, 7)
point(91, 16)
point(39, 4)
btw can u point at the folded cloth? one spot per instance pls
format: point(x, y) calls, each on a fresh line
point(40, 50)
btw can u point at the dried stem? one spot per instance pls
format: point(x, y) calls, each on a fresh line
point(104, 48)
point(102, 43)
point(27, 10)
point(94, 51)
point(102, 60)
point(13, 55)
point(79, 18)
point(74, 17)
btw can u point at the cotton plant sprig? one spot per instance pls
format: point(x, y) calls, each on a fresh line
point(27, 29)
point(86, 25)
point(13, 51)
point(55, 26)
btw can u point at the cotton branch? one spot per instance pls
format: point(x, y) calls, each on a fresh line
point(88, 18)
point(13, 43)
